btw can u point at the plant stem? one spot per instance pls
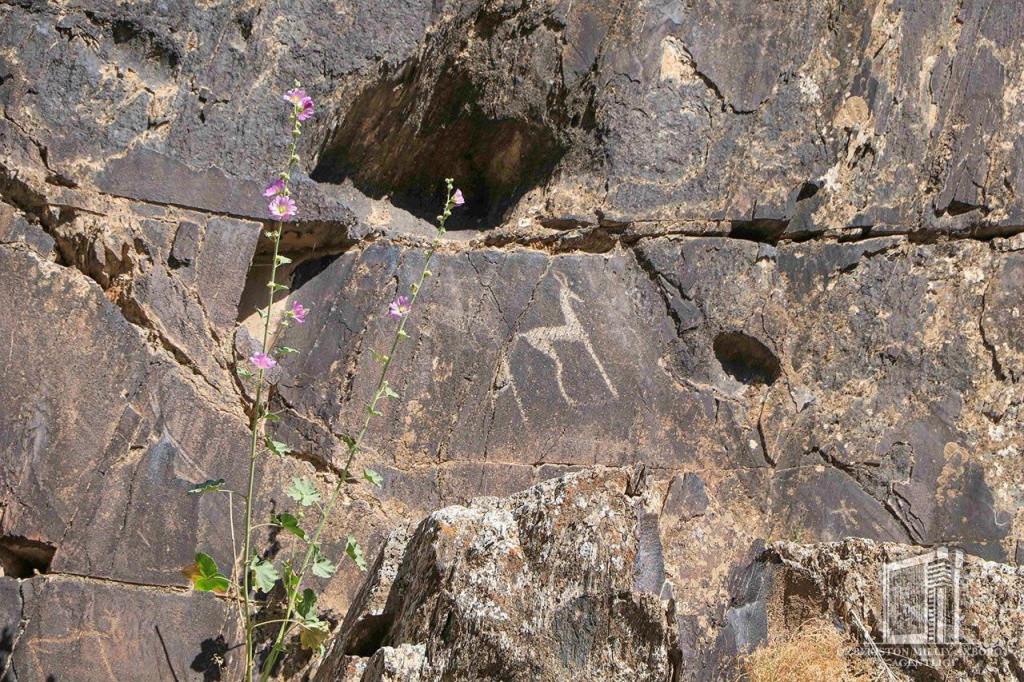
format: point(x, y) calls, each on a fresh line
point(354, 446)
point(258, 413)
point(234, 551)
point(254, 425)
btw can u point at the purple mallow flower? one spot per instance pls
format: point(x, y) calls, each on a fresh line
point(399, 308)
point(458, 198)
point(282, 207)
point(262, 360)
point(298, 312)
point(302, 102)
point(274, 188)
point(295, 96)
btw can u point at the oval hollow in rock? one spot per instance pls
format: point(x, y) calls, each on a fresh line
point(746, 359)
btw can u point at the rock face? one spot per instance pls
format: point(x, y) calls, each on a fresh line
point(843, 580)
point(771, 251)
point(559, 582)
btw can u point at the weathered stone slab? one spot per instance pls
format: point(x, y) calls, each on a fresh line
point(87, 630)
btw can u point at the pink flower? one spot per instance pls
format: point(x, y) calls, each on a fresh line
point(282, 207)
point(458, 199)
point(399, 308)
point(296, 96)
point(298, 312)
point(274, 188)
point(262, 360)
point(302, 102)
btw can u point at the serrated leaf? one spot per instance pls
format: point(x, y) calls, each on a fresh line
point(379, 357)
point(204, 575)
point(313, 634)
point(211, 486)
point(303, 491)
point(325, 568)
point(390, 392)
point(355, 552)
point(264, 573)
point(277, 447)
point(283, 260)
point(373, 477)
point(207, 566)
point(290, 524)
point(286, 350)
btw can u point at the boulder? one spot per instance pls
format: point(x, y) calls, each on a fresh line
point(558, 582)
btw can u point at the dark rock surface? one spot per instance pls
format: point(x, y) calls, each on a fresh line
point(771, 251)
point(77, 629)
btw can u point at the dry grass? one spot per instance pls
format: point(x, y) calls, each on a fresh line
point(815, 652)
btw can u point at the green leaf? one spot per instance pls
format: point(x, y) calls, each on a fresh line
point(348, 440)
point(274, 286)
point(289, 577)
point(303, 491)
point(313, 634)
point(204, 575)
point(217, 583)
point(305, 606)
point(278, 448)
point(373, 477)
point(325, 568)
point(244, 373)
point(355, 552)
point(389, 392)
point(282, 260)
point(290, 524)
point(375, 412)
point(379, 357)
point(271, 417)
point(264, 573)
point(285, 350)
point(211, 486)
point(402, 334)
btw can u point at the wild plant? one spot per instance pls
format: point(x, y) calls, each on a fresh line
point(254, 571)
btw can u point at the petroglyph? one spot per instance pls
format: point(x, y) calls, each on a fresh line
point(544, 340)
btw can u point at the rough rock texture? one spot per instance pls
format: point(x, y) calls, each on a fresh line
point(842, 580)
point(558, 582)
point(770, 250)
